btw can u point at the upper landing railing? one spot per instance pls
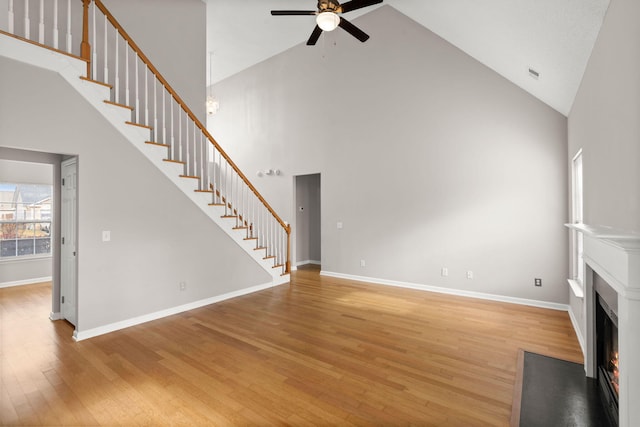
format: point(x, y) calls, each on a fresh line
point(86, 29)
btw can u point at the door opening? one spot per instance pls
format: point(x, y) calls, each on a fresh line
point(308, 220)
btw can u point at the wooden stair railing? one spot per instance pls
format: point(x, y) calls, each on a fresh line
point(115, 60)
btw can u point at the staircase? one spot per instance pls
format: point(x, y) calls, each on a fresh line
point(111, 72)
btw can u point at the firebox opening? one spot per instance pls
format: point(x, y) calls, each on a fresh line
point(607, 357)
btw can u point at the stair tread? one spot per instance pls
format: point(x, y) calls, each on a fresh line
point(203, 191)
point(159, 144)
point(216, 204)
point(269, 256)
point(189, 176)
point(228, 216)
point(174, 161)
point(250, 238)
point(115, 104)
point(139, 125)
point(86, 79)
point(278, 266)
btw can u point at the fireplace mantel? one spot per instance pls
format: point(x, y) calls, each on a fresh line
point(615, 256)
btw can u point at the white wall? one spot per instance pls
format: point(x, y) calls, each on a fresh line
point(428, 158)
point(604, 123)
point(158, 237)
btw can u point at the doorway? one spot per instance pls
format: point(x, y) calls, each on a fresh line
point(308, 220)
point(23, 172)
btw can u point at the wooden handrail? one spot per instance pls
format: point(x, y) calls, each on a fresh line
point(182, 104)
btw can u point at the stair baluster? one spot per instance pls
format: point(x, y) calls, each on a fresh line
point(172, 125)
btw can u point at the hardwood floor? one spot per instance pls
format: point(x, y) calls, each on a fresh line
point(322, 351)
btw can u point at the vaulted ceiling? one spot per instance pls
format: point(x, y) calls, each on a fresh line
point(553, 37)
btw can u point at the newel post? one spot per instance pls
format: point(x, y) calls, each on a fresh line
point(288, 263)
point(85, 47)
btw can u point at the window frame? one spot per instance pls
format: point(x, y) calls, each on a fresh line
point(14, 207)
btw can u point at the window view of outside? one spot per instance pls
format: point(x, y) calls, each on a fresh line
point(25, 220)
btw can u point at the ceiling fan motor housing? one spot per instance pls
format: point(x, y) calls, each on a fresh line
point(329, 6)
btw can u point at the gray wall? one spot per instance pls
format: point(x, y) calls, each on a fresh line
point(604, 123)
point(172, 35)
point(307, 225)
point(28, 269)
point(427, 157)
point(158, 237)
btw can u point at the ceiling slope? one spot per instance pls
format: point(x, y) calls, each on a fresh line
point(552, 37)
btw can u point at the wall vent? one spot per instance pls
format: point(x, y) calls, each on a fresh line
point(534, 74)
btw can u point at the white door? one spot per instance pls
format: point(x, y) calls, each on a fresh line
point(68, 253)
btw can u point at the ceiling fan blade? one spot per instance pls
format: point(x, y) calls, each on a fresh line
point(315, 35)
point(358, 4)
point(293, 12)
point(353, 30)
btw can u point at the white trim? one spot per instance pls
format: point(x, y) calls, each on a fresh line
point(449, 291)
point(101, 330)
point(578, 154)
point(576, 288)
point(55, 316)
point(23, 258)
point(26, 282)
point(576, 328)
point(309, 261)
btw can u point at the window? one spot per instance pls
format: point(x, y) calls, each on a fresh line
point(577, 267)
point(25, 220)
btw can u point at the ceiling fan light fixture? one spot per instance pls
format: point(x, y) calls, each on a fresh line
point(328, 21)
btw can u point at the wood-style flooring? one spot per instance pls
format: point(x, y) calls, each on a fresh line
point(321, 351)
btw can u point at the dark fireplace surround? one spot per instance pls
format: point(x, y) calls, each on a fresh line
point(607, 348)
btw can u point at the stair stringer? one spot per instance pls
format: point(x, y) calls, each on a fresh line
point(71, 69)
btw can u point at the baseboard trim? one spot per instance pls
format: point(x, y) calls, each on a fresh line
point(55, 316)
point(112, 327)
point(26, 282)
point(448, 291)
point(309, 261)
point(576, 328)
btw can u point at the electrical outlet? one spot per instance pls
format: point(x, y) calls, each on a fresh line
point(362, 263)
point(183, 286)
point(469, 274)
point(444, 272)
point(537, 282)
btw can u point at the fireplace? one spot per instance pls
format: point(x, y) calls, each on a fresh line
point(607, 355)
point(609, 315)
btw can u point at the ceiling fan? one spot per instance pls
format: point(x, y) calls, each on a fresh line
point(327, 18)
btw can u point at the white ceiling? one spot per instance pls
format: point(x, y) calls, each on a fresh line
point(554, 37)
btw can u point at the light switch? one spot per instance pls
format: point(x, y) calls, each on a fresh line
point(339, 226)
point(106, 236)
